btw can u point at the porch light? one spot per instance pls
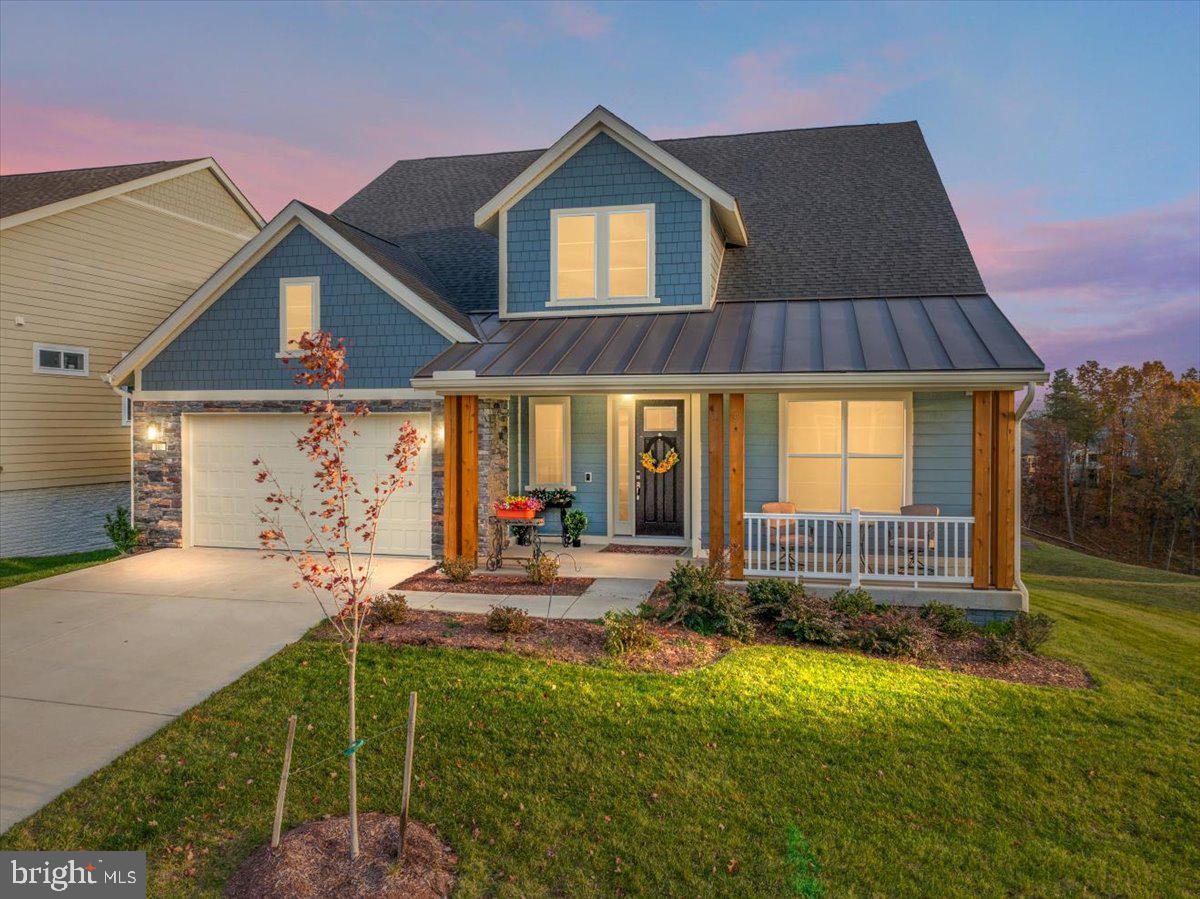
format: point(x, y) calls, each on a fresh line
point(153, 431)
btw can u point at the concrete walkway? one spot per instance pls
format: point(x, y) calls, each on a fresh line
point(95, 661)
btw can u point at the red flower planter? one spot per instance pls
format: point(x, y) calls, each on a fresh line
point(518, 514)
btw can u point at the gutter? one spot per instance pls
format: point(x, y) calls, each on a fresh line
point(1026, 402)
point(467, 382)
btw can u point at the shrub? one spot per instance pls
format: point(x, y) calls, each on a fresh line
point(390, 609)
point(949, 621)
point(121, 531)
point(852, 603)
point(575, 521)
point(896, 632)
point(997, 628)
point(1030, 631)
point(508, 620)
point(699, 601)
point(811, 619)
point(1000, 648)
point(542, 569)
point(770, 596)
point(457, 570)
point(627, 631)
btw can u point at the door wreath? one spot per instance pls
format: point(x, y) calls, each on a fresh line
point(651, 464)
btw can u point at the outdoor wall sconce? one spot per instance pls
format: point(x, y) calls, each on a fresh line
point(153, 431)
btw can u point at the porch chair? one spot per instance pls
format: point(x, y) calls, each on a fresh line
point(916, 538)
point(785, 538)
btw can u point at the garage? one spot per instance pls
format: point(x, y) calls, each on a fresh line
point(222, 498)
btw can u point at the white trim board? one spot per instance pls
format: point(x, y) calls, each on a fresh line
point(116, 190)
point(179, 396)
point(601, 119)
point(293, 215)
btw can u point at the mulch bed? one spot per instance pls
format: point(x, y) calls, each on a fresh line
point(636, 549)
point(559, 639)
point(314, 860)
point(488, 584)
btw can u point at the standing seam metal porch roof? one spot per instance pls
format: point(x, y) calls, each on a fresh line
point(770, 336)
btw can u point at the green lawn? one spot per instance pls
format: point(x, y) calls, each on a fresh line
point(554, 779)
point(22, 569)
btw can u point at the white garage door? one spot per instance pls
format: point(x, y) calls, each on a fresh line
point(223, 496)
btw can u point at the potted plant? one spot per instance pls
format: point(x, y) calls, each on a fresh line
point(553, 497)
point(575, 522)
point(517, 507)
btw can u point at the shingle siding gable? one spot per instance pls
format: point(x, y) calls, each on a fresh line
point(604, 173)
point(232, 344)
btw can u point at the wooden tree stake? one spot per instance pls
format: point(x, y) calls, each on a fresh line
point(408, 759)
point(283, 779)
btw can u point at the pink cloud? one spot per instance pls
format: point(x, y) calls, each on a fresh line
point(1121, 289)
point(579, 20)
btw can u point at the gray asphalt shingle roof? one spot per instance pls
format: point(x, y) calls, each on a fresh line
point(847, 212)
point(20, 193)
point(897, 334)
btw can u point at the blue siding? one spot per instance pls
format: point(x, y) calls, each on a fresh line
point(942, 451)
point(604, 173)
point(589, 453)
point(232, 345)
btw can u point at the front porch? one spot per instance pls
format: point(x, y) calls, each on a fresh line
point(751, 468)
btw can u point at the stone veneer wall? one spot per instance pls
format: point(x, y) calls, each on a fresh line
point(158, 466)
point(493, 460)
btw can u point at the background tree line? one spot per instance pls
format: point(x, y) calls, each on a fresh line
point(1112, 462)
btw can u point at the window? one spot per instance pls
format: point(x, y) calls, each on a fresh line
point(606, 253)
point(550, 441)
point(126, 410)
point(845, 454)
point(60, 360)
point(299, 311)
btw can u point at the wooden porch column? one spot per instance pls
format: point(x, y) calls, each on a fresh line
point(737, 485)
point(1004, 493)
point(468, 438)
point(981, 482)
point(716, 474)
point(451, 496)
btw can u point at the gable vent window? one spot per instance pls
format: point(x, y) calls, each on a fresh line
point(299, 312)
point(602, 254)
point(60, 360)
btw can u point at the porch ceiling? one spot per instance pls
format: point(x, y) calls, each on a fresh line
point(915, 334)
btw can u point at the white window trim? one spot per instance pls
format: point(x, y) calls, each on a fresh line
point(565, 402)
point(59, 348)
point(126, 409)
point(600, 287)
point(845, 455)
point(313, 281)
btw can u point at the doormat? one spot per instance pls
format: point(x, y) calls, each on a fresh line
point(638, 549)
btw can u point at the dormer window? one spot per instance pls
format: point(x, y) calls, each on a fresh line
point(299, 312)
point(602, 254)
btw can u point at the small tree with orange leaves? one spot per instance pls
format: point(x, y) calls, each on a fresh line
point(332, 543)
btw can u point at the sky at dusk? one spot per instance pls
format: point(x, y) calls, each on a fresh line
point(1068, 135)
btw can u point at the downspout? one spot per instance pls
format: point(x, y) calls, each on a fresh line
point(1030, 392)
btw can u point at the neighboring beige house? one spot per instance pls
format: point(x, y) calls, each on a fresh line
point(91, 260)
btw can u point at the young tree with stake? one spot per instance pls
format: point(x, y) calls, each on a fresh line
point(332, 543)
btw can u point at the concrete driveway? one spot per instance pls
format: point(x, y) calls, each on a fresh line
point(93, 662)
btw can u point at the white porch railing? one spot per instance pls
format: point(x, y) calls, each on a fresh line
point(857, 546)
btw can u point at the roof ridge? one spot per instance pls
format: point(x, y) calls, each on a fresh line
point(98, 168)
point(663, 140)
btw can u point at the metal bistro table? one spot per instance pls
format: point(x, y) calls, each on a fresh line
point(528, 532)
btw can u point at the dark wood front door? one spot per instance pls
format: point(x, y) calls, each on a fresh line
point(660, 427)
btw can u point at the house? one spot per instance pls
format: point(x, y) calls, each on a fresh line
point(795, 315)
point(91, 260)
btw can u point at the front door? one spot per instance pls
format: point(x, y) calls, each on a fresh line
point(660, 425)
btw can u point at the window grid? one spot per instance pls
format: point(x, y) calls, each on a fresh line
point(845, 455)
point(611, 262)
